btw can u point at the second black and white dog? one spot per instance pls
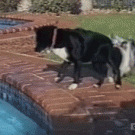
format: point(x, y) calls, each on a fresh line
point(76, 46)
point(123, 55)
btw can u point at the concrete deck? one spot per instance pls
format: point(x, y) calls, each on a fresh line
point(86, 110)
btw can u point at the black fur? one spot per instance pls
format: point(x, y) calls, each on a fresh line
point(82, 46)
point(100, 65)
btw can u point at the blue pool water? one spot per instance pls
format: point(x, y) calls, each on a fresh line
point(6, 23)
point(13, 122)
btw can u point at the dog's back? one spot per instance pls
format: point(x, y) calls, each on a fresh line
point(94, 43)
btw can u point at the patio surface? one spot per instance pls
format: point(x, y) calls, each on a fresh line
point(84, 111)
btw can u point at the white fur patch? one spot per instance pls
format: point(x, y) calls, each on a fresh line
point(56, 79)
point(110, 74)
point(110, 79)
point(61, 52)
point(73, 86)
point(125, 64)
point(95, 85)
point(48, 51)
point(117, 86)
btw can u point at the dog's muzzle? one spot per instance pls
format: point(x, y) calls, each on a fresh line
point(47, 50)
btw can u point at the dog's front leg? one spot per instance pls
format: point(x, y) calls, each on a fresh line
point(77, 69)
point(61, 73)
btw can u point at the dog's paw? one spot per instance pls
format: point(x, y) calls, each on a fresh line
point(96, 86)
point(73, 86)
point(56, 79)
point(117, 86)
point(110, 79)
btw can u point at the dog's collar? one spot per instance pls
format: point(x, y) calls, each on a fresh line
point(54, 38)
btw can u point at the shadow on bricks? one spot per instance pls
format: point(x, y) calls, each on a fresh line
point(87, 70)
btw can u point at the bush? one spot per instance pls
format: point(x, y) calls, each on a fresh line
point(8, 5)
point(56, 6)
point(119, 5)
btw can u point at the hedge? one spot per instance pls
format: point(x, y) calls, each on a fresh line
point(56, 6)
point(8, 5)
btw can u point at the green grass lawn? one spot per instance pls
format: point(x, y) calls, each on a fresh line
point(130, 79)
point(118, 24)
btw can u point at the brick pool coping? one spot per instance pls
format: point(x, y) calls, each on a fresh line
point(28, 26)
point(68, 112)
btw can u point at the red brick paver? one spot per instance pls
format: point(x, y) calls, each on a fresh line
point(70, 111)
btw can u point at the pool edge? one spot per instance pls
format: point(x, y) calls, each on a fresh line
point(24, 104)
point(28, 26)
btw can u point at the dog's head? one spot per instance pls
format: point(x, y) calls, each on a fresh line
point(44, 37)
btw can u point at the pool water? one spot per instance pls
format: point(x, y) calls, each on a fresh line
point(13, 122)
point(6, 23)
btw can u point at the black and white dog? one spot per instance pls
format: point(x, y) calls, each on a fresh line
point(122, 55)
point(76, 46)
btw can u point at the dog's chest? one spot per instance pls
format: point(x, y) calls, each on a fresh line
point(61, 52)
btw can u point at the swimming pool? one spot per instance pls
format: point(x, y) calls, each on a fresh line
point(19, 115)
point(13, 122)
point(7, 23)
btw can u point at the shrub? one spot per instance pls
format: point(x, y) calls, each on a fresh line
point(119, 5)
point(8, 5)
point(56, 6)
